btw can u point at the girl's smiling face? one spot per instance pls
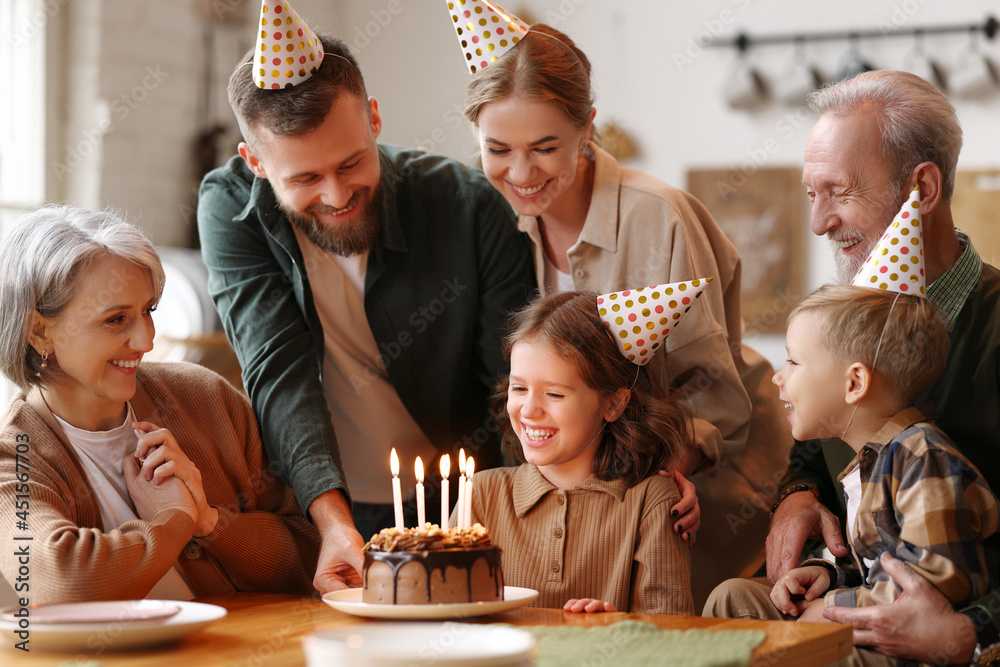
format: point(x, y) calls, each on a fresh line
point(556, 416)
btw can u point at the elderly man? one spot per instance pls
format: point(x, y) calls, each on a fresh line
point(364, 288)
point(879, 135)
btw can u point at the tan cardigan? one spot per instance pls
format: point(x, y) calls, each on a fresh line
point(261, 543)
point(598, 540)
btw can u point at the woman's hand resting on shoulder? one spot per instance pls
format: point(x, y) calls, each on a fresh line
point(686, 512)
point(161, 458)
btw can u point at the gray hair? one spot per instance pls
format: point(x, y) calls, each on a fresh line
point(917, 123)
point(40, 266)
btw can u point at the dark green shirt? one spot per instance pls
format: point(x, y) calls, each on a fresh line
point(445, 231)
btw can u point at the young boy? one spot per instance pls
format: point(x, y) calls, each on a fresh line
point(857, 357)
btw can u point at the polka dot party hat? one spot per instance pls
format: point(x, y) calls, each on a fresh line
point(897, 262)
point(485, 30)
point(640, 319)
point(288, 51)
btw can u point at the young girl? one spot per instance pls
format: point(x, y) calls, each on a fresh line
point(586, 519)
point(595, 224)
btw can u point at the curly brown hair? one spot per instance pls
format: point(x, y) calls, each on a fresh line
point(653, 430)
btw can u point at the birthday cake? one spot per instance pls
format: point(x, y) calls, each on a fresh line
point(432, 566)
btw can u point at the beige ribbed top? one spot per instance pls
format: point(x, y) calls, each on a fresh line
point(598, 540)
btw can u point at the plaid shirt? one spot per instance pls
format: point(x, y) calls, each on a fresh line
point(926, 504)
point(952, 289)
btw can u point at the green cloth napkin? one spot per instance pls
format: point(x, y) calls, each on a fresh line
point(638, 644)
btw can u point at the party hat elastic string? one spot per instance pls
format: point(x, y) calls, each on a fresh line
point(878, 348)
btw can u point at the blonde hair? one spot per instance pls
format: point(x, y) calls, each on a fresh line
point(854, 320)
point(916, 121)
point(546, 66)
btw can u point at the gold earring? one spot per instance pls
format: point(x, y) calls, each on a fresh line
point(45, 358)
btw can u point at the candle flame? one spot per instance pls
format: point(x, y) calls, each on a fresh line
point(461, 461)
point(445, 466)
point(470, 467)
point(418, 470)
point(394, 463)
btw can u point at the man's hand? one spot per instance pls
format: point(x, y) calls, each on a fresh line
point(921, 623)
point(799, 517)
point(340, 555)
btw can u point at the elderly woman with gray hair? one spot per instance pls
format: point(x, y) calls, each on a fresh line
point(135, 479)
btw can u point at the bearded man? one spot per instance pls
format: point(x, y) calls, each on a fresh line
point(364, 287)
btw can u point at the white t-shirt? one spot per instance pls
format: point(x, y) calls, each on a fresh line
point(557, 281)
point(367, 413)
point(101, 453)
point(852, 490)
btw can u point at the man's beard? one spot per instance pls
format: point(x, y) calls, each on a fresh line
point(348, 238)
point(848, 266)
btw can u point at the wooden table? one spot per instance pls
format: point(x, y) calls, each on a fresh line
point(263, 630)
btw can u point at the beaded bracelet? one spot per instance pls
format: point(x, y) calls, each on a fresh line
point(789, 491)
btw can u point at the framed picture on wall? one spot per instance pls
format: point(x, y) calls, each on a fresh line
point(974, 207)
point(764, 212)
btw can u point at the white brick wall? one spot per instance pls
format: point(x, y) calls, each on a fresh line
point(133, 100)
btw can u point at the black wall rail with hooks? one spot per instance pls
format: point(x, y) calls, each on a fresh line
point(743, 41)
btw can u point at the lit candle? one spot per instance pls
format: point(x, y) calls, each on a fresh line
point(418, 470)
point(461, 489)
point(397, 495)
point(445, 472)
point(470, 468)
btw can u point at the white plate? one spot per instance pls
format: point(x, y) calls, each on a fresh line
point(349, 602)
point(411, 644)
point(95, 612)
point(126, 633)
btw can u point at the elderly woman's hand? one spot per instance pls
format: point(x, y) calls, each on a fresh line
point(150, 499)
point(161, 458)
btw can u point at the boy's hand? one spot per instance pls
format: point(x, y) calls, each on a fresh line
point(587, 605)
point(808, 582)
point(812, 612)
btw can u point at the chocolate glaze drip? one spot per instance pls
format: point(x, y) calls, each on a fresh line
point(437, 559)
